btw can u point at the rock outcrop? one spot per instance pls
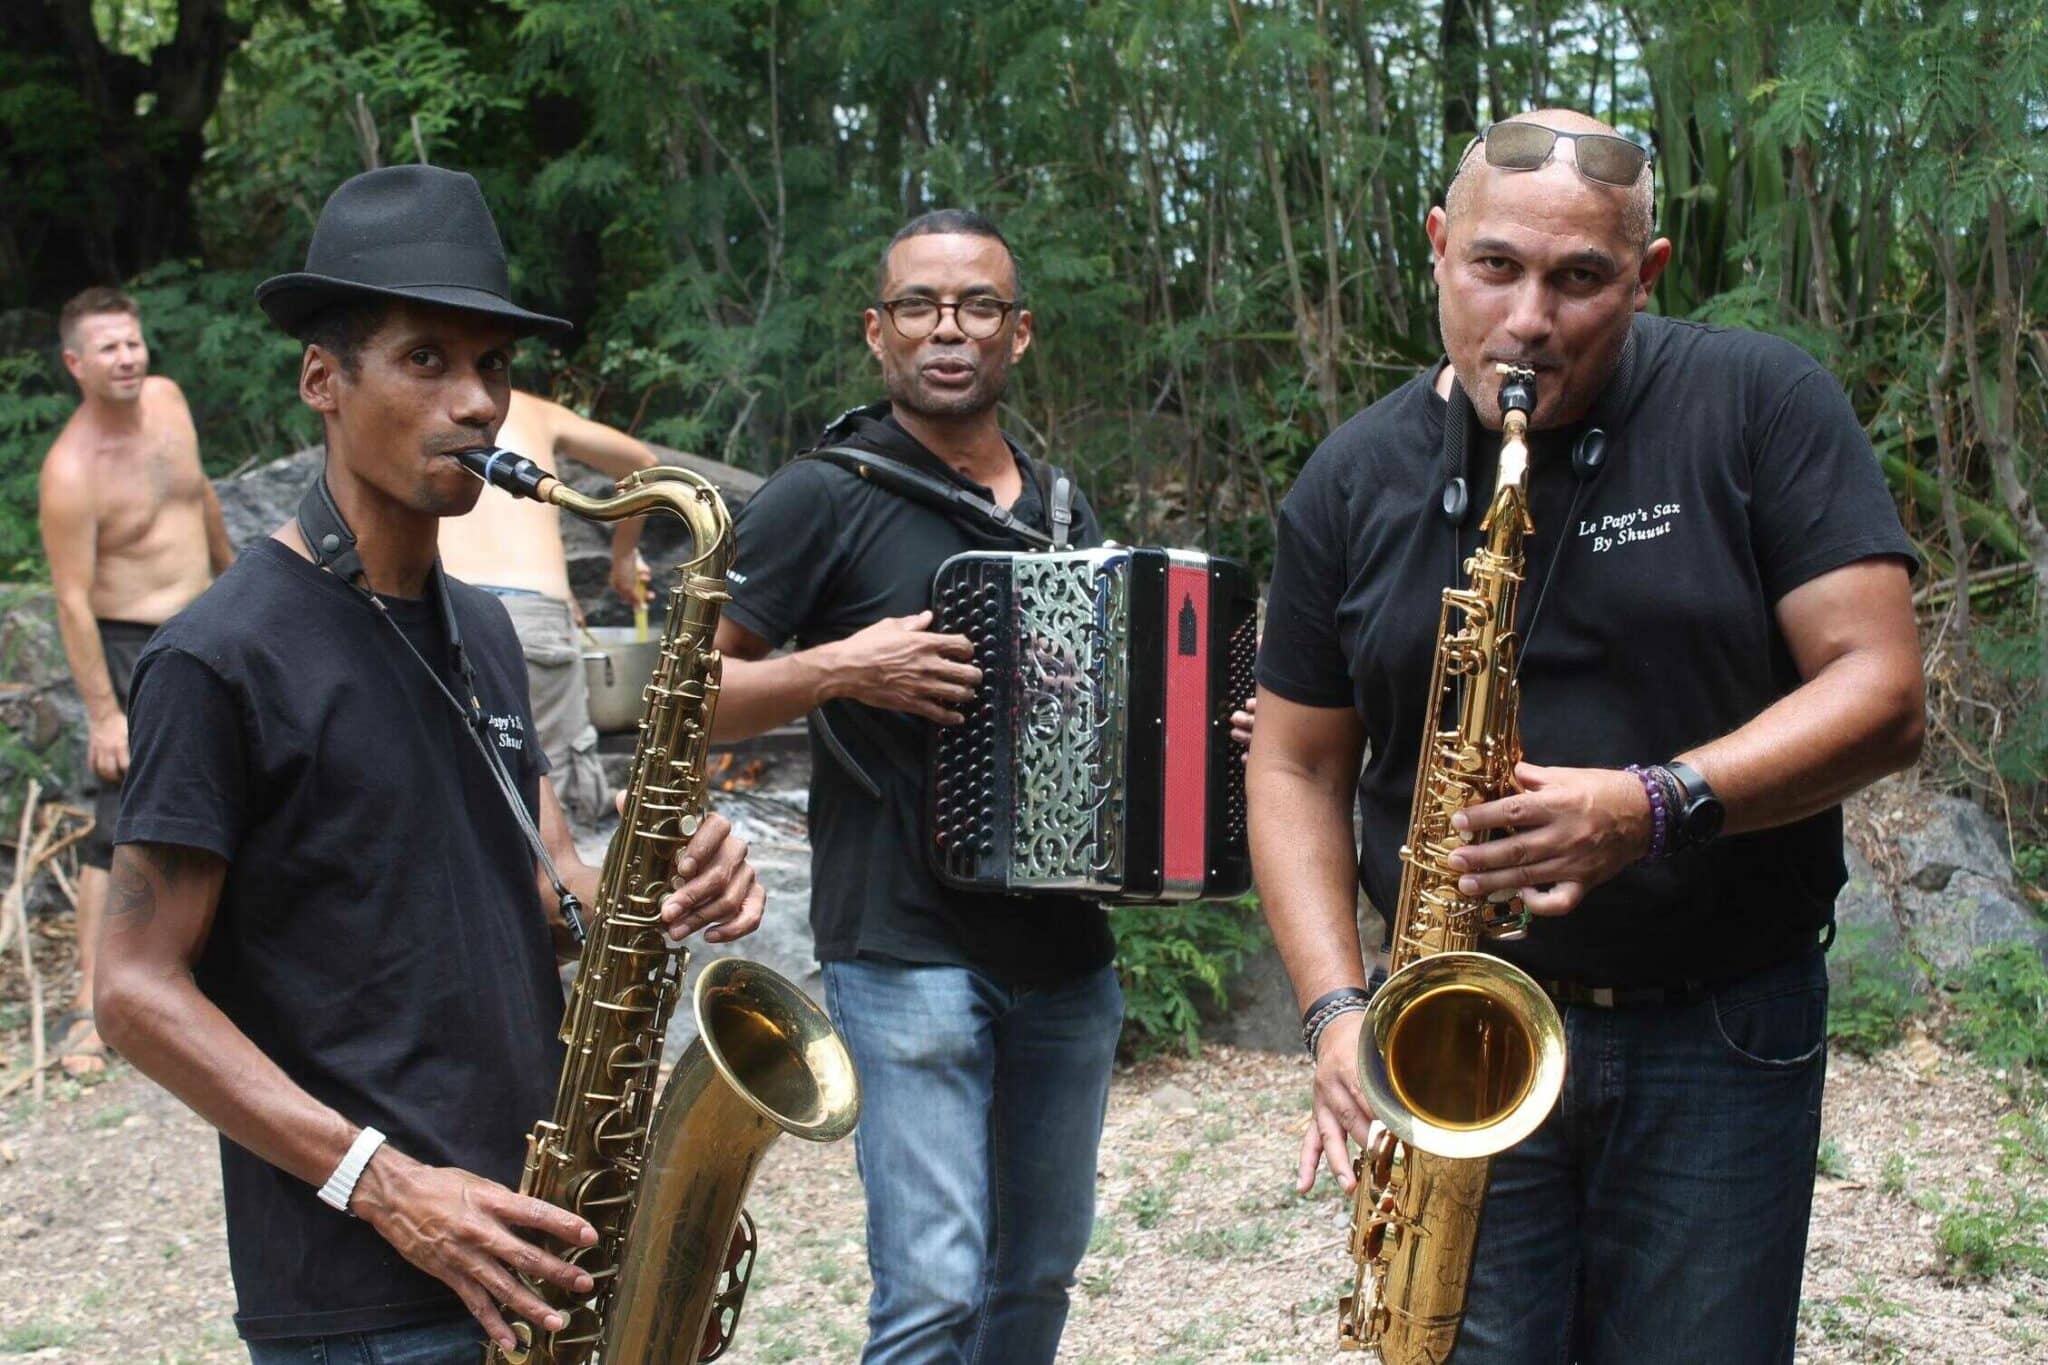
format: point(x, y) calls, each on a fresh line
point(1947, 888)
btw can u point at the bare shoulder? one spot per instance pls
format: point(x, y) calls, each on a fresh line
point(530, 410)
point(166, 402)
point(67, 467)
point(532, 427)
point(161, 388)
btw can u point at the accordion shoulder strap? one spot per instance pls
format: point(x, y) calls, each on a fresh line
point(918, 486)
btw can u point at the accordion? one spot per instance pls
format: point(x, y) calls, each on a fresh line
point(1096, 757)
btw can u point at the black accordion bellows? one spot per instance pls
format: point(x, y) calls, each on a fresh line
point(1096, 758)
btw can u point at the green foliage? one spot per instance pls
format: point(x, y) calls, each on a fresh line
point(1170, 956)
point(1993, 1231)
point(2012, 653)
point(1148, 1205)
point(1853, 1320)
point(1221, 268)
point(2030, 864)
point(225, 355)
point(2001, 1008)
point(1874, 992)
point(33, 407)
point(2022, 1143)
point(31, 1337)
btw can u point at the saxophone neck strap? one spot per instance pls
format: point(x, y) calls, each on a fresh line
point(332, 543)
point(948, 497)
point(328, 536)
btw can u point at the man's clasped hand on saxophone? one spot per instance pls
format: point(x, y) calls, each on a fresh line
point(1574, 644)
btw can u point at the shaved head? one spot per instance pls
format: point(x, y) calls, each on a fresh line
point(1542, 268)
point(1636, 203)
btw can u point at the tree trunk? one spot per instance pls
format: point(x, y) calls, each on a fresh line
point(1330, 335)
point(1944, 443)
point(1387, 259)
point(1816, 237)
point(1458, 58)
point(124, 202)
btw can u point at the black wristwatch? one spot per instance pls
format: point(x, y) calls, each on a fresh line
point(1700, 813)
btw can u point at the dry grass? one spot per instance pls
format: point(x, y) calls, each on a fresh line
point(110, 1224)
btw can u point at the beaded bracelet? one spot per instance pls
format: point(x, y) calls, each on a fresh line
point(1319, 1015)
point(1660, 820)
point(1674, 802)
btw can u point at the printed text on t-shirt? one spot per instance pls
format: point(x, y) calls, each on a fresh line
point(1628, 528)
point(510, 731)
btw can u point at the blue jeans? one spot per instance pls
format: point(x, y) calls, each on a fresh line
point(1659, 1216)
point(455, 1342)
point(981, 1110)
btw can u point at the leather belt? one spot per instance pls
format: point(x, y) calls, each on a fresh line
point(1625, 997)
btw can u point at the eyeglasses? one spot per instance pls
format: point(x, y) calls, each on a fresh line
point(980, 316)
point(1600, 157)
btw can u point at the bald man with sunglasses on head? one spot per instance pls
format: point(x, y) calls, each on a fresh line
point(1717, 622)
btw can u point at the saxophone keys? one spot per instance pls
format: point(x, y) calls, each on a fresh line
point(522, 1336)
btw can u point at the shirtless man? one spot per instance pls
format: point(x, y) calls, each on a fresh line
point(133, 533)
point(513, 547)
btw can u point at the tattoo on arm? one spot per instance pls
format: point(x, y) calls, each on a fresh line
point(141, 873)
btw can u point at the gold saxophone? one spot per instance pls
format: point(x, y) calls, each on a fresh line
point(664, 1183)
point(1462, 1054)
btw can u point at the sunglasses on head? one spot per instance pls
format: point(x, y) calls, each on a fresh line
point(1600, 157)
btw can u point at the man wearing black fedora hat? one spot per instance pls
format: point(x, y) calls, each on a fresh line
point(326, 930)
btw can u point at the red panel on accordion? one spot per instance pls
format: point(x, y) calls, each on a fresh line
point(1096, 758)
point(1186, 794)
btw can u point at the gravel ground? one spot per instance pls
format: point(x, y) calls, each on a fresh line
point(111, 1229)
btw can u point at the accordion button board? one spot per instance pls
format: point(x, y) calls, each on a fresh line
point(1096, 757)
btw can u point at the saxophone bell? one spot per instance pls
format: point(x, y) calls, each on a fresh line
point(1462, 1054)
point(766, 1062)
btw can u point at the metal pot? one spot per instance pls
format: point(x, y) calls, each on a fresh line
point(617, 668)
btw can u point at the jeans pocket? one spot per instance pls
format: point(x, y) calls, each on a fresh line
point(1780, 1031)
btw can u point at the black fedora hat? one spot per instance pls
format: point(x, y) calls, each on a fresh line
point(404, 232)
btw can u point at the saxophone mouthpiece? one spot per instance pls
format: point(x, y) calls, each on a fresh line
point(1517, 389)
point(515, 474)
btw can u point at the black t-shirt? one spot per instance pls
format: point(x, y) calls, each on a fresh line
point(379, 935)
point(822, 554)
point(1736, 472)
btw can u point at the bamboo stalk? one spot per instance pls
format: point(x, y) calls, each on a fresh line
point(1981, 585)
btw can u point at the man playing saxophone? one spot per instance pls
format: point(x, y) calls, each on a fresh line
point(326, 930)
point(1718, 647)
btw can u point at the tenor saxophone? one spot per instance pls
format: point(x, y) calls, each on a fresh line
point(664, 1182)
point(1462, 1054)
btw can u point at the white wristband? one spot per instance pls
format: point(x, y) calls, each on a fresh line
point(342, 1184)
